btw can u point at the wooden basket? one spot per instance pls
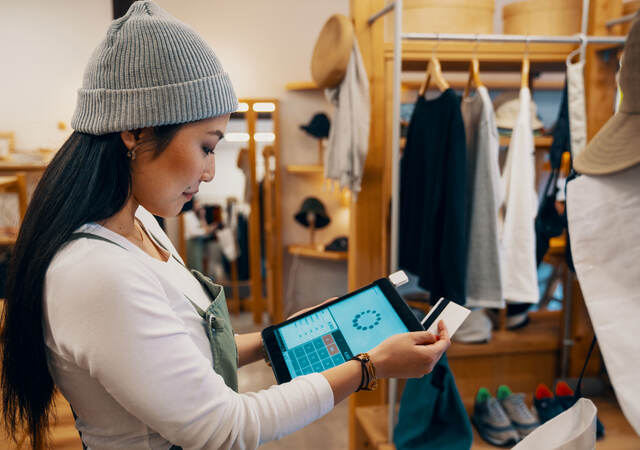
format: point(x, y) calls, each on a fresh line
point(445, 16)
point(544, 17)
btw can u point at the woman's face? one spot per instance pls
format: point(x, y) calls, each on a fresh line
point(163, 184)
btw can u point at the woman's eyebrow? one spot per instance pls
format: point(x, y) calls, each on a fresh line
point(218, 133)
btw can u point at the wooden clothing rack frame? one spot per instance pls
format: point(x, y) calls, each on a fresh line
point(368, 261)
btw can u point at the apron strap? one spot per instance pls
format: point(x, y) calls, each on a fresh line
point(80, 235)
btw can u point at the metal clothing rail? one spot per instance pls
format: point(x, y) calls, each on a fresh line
point(619, 20)
point(513, 38)
point(397, 5)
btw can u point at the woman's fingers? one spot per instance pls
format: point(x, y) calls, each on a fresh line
point(423, 337)
point(443, 333)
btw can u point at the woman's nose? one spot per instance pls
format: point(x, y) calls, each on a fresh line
point(209, 170)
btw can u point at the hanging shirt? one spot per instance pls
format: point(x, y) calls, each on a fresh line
point(519, 275)
point(484, 281)
point(349, 135)
point(605, 242)
point(577, 108)
point(433, 191)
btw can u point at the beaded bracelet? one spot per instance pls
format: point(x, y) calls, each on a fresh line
point(368, 380)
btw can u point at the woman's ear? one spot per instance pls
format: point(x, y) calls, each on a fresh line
point(129, 138)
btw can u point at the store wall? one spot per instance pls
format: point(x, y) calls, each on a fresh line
point(263, 45)
point(44, 46)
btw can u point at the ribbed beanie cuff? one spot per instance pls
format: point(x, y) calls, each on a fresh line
point(151, 70)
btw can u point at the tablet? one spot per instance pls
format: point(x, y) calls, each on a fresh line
point(334, 332)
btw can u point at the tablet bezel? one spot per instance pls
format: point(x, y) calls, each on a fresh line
point(272, 347)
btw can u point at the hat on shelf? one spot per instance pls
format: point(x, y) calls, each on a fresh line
point(312, 206)
point(615, 147)
point(332, 51)
point(339, 244)
point(507, 107)
point(318, 127)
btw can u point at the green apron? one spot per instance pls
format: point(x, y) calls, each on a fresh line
point(215, 318)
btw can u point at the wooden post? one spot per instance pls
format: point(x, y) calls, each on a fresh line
point(255, 272)
point(369, 219)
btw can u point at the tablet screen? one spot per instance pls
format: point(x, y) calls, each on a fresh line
point(334, 334)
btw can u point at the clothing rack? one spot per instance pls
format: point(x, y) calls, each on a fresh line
point(619, 20)
point(398, 36)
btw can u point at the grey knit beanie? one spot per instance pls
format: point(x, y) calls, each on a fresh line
point(151, 69)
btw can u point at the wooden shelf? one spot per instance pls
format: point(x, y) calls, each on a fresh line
point(372, 421)
point(503, 57)
point(538, 141)
point(305, 168)
point(302, 86)
point(315, 252)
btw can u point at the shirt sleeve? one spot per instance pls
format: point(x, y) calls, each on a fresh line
point(116, 323)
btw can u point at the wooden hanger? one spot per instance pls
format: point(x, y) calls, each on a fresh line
point(524, 75)
point(474, 77)
point(434, 71)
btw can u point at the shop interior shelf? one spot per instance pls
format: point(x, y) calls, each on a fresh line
point(305, 168)
point(302, 86)
point(316, 252)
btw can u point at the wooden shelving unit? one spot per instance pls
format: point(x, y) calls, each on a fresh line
point(317, 253)
point(302, 86)
point(303, 169)
point(543, 142)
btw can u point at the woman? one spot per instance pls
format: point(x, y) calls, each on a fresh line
point(98, 302)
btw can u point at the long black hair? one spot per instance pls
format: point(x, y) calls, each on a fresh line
point(88, 180)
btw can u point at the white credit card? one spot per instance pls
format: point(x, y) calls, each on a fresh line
point(452, 314)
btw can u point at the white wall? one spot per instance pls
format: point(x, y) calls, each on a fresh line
point(44, 46)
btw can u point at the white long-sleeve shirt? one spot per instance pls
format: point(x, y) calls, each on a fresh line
point(130, 353)
point(519, 272)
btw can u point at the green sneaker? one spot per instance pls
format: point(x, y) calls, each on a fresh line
point(492, 422)
point(519, 413)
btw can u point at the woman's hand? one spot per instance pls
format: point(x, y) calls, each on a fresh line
point(410, 355)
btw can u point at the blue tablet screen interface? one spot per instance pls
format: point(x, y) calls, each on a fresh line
point(333, 335)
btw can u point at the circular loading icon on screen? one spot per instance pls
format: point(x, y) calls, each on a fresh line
point(366, 320)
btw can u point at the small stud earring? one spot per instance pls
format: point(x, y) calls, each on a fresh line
point(131, 154)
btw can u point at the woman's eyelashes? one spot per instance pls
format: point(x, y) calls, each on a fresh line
point(208, 150)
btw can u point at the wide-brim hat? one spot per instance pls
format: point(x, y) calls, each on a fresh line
point(316, 207)
point(507, 109)
point(332, 51)
point(615, 147)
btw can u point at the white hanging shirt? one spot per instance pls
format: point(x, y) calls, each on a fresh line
point(131, 355)
point(603, 212)
point(519, 272)
point(577, 108)
point(484, 280)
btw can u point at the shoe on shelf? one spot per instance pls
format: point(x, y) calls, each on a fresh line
point(492, 422)
point(517, 315)
point(546, 405)
point(476, 329)
point(518, 412)
point(566, 398)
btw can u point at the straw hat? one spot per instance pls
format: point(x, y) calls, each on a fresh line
point(332, 51)
point(615, 147)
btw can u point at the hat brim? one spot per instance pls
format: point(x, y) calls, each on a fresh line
point(614, 147)
point(311, 131)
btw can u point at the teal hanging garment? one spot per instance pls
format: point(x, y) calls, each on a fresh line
point(432, 415)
